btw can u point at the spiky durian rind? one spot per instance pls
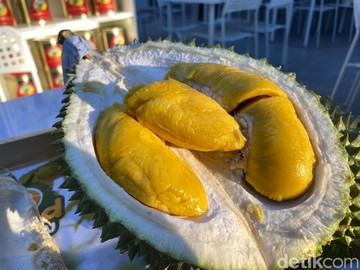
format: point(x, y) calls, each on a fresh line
point(157, 261)
point(346, 240)
point(127, 242)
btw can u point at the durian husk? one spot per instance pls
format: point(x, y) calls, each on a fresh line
point(344, 244)
point(346, 240)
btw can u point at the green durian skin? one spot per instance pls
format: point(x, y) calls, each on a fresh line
point(345, 242)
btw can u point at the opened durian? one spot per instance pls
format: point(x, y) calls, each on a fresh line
point(267, 205)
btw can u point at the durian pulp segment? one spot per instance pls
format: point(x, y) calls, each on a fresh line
point(279, 156)
point(142, 164)
point(184, 116)
point(280, 160)
point(226, 236)
point(227, 85)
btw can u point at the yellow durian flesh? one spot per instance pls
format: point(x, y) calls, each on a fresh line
point(145, 167)
point(184, 116)
point(281, 160)
point(228, 85)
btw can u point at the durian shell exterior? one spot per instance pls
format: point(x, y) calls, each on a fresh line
point(115, 224)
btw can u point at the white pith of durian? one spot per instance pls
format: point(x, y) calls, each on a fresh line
point(227, 236)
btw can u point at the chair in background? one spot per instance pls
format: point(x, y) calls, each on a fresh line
point(232, 16)
point(146, 13)
point(272, 23)
point(344, 6)
point(184, 16)
point(347, 62)
point(16, 57)
point(231, 20)
point(177, 10)
point(312, 7)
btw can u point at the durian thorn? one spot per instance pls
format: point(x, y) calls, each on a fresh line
point(78, 194)
point(231, 48)
point(58, 124)
point(66, 100)
point(110, 231)
point(86, 205)
point(61, 114)
point(100, 218)
point(68, 90)
point(192, 43)
point(70, 184)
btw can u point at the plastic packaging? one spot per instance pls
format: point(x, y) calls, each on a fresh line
point(104, 6)
point(6, 16)
point(77, 8)
point(39, 10)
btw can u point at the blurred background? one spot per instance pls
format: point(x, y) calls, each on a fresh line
point(311, 38)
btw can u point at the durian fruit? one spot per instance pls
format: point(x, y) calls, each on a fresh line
point(184, 116)
point(227, 85)
point(241, 229)
point(280, 160)
point(126, 149)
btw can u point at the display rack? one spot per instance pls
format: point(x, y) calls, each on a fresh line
point(124, 16)
point(76, 24)
point(37, 34)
